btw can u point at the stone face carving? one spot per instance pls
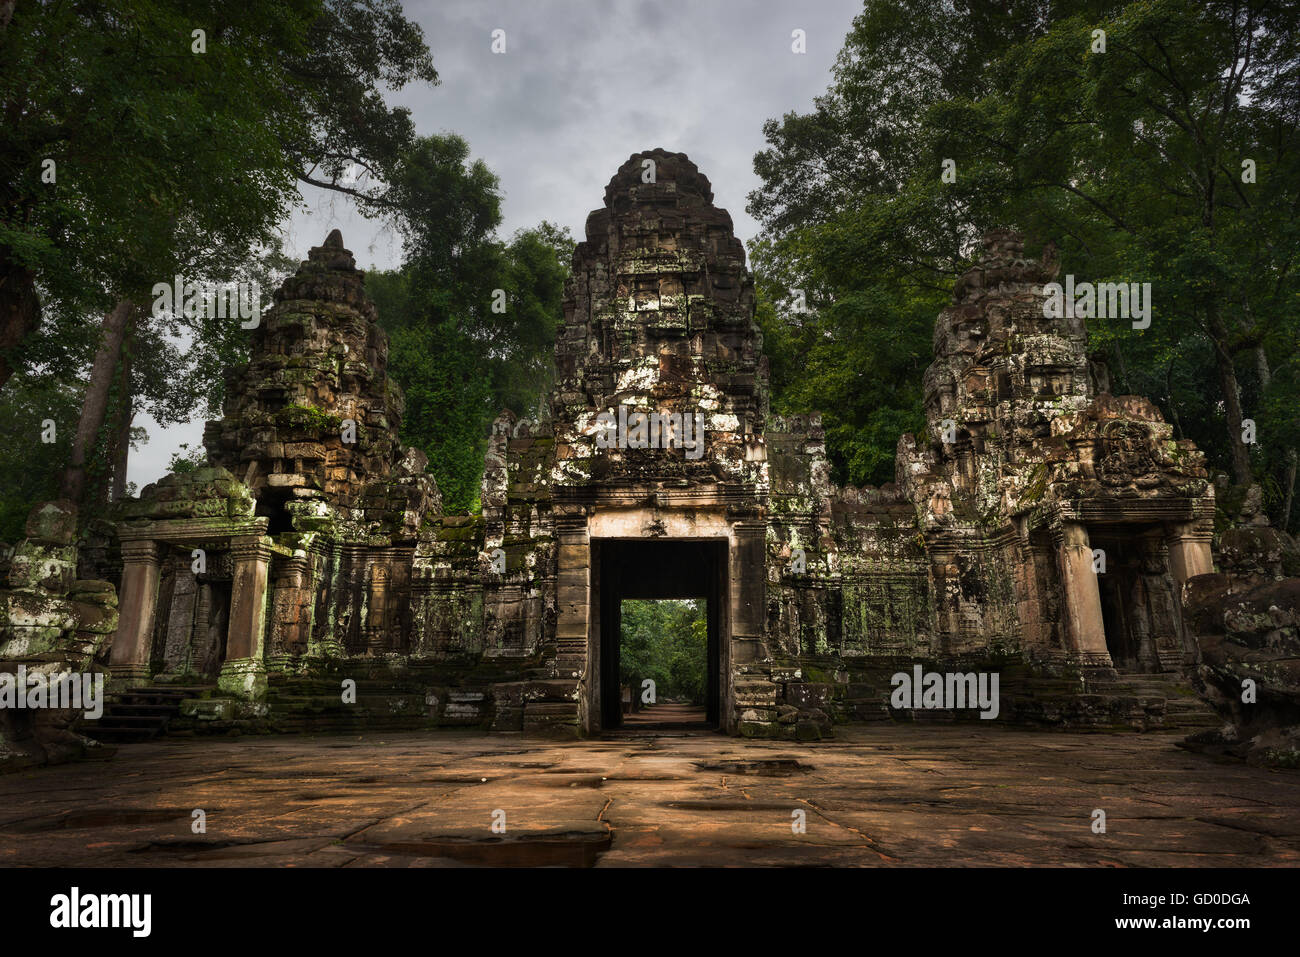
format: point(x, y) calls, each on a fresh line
point(1037, 527)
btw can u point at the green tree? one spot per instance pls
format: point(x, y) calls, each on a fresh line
point(149, 138)
point(460, 350)
point(30, 466)
point(1131, 160)
point(667, 642)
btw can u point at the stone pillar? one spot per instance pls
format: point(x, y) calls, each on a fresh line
point(326, 579)
point(1189, 550)
point(244, 670)
point(1189, 556)
point(748, 696)
point(748, 574)
point(572, 626)
point(945, 577)
point(1085, 630)
point(129, 659)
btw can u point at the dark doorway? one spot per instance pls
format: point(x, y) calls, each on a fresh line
point(635, 569)
point(1115, 583)
point(1139, 601)
point(271, 504)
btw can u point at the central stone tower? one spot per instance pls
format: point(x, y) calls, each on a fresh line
point(659, 320)
point(659, 317)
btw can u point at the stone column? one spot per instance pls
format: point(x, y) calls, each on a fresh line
point(1189, 556)
point(1189, 550)
point(244, 670)
point(572, 627)
point(129, 659)
point(326, 598)
point(748, 696)
point(1085, 630)
point(748, 573)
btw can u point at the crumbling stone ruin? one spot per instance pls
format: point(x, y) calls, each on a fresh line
point(293, 546)
point(1246, 619)
point(1040, 528)
point(52, 624)
point(1029, 471)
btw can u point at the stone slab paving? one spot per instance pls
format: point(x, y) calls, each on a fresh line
point(885, 795)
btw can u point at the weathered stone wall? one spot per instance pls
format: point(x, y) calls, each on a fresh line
point(1023, 461)
point(319, 360)
point(293, 548)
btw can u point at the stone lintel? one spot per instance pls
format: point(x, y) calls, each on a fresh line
point(182, 532)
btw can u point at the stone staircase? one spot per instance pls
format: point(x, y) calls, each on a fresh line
point(141, 714)
point(1184, 709)
point(314, 705)
point(1163, 702)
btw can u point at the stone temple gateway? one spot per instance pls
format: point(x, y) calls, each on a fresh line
point(313, 548)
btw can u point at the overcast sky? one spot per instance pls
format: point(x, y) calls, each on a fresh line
point(583, 85)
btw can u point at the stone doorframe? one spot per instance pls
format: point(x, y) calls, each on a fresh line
point(244, 670)
point(1187, 529)
point(666, 568)
point(741, 639)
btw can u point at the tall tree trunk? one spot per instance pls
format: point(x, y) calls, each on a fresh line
point(95, 405)
point(1120, 379)
point(1265, 380)
point(1227, 373)
point(118, 491)
point(125, 415)
point(1262, 368)
point(1265, 373)
point(20, 311)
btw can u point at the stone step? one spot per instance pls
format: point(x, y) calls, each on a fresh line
point(142, 713)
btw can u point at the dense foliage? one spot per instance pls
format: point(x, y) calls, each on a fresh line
point(666, 641)
point(471, 319)
point(145, 139)
point(1131, 160)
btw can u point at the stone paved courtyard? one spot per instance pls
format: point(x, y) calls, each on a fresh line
point(877, 795)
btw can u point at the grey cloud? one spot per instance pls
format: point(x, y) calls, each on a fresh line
point(582, 86)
